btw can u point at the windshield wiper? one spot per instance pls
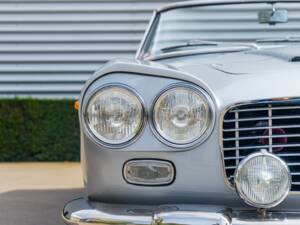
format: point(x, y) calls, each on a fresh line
point(278, 40)
point(195, 43)
point(191, 43)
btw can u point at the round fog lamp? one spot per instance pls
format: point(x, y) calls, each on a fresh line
point(262, 180)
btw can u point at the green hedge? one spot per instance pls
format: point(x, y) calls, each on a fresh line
point(38, 130)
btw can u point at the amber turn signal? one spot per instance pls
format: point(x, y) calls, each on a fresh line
point(76, 105)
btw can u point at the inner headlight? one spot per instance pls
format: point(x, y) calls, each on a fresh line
point(263, 180)
point(182, 115)
point(114, 115)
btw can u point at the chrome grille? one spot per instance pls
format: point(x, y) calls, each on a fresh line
point(271, 125)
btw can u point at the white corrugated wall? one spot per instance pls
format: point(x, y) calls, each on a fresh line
point(49, 48)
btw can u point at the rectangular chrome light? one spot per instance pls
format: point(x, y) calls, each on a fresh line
point(149, 172)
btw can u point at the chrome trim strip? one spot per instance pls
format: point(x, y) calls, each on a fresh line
point(234, 167)
point(270, 130)
point(288, 155)
point(261, 118)
point(237, 140)
point(261, 146)
point(264, 108)
point(138, 54)
point(261, 101)
point(281, 155)
point(84, 212)
point(185, 4)
point(261, 128)
point(257, 137)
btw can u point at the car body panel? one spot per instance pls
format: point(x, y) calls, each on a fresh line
point(200, 175)
point(230, 76)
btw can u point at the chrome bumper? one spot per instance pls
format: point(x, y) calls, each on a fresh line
point(82, 212)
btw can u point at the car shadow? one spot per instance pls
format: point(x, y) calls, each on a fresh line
point(35, 207)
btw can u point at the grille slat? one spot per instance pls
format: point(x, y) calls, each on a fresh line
point(280, 155)
point(257, 137)
point(263, 146)
point(262, 118)
point(289, 164)
point(270, 125)
point(295, 174)
point(261, 109)
point(260, 128)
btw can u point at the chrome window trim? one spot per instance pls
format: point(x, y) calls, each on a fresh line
point(206, 133)
point(93, 136)
point(222, 114)
point(185, 4)
point(147, 33)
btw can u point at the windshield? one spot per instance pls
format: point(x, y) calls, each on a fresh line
point(217, 25)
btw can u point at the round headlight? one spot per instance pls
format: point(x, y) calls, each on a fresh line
point(182, 115)
point(114, 115)
point(263, 180)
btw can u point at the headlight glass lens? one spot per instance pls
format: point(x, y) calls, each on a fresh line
point(263, 180)
point(182, 115)
point(114, 115)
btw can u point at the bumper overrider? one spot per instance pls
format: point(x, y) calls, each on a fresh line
point(81, 211)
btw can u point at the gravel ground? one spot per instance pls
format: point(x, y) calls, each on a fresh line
point(34, 193)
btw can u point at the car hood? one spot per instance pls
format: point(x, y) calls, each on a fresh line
point(265, 60)
point(272, 72)
point(230, 78)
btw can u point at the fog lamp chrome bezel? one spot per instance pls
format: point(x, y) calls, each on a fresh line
point(203, 93)
point(242, 195)
point(95, 137)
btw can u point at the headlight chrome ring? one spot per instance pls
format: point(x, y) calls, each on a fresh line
point(182, 115)
point(122, 112)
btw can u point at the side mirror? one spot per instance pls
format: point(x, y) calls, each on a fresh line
point(272, 17)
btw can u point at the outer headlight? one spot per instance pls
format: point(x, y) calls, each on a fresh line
point(263, 180)
point(183, 115)
point(114, 115)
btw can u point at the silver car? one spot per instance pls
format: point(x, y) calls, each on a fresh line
point(202, 127)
